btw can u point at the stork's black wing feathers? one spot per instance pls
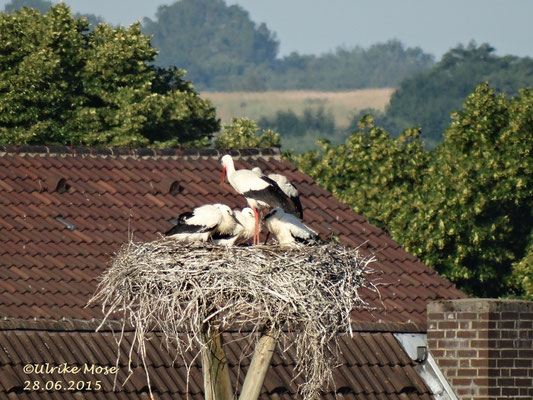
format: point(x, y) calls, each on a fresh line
point(183, 227)
point(222, 236)
point(312, 240)
point(298, 205)
point(182, 219)
point(274, 196)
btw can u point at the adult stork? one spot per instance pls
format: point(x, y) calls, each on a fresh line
point(244, 229)
point(198, 225)
point(259, 190)
point(287, 187)
point(289, 230)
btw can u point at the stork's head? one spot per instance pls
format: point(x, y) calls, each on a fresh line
point(226, 161)
point(247, 211)
point(228, 218)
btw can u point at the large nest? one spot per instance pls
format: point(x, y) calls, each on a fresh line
point(305, 292)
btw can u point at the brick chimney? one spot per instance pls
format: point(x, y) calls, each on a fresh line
point(484, 347)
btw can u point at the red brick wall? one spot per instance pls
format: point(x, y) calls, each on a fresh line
point(484, 347)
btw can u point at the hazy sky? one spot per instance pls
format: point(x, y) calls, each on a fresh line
point(318, 26)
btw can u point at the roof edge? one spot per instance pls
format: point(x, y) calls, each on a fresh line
point(136, 152)
point(71, 324)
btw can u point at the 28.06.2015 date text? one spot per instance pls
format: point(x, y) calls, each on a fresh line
point(62, 386)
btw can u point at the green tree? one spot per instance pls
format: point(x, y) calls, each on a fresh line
point(464, 208)
point(60, 83)
point(243, 134)
point(210, 40)
point(428, 98)
point(372, 172)
point(474, 217)
point(522, 275)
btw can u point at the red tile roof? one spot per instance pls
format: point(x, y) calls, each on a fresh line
point(54, 244)
point(373, 365)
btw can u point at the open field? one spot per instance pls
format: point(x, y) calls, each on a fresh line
point(255, 105)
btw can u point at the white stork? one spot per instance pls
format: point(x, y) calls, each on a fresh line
point(287, 187)
point(288, 230)
point(198, 225)
point(244, 228)
point(259, 190)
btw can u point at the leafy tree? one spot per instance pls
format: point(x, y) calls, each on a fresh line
point(522, 275)
point(210, 40)
point(465, 208)
point(475, 216)
point(288, 123)
point(242, 134)
point(301, 132)
point(428, 98)
point(372, 172)
point(60, 83)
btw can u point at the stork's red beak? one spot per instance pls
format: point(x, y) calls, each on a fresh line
point(223, 175)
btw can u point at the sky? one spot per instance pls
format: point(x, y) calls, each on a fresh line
point(321, 26)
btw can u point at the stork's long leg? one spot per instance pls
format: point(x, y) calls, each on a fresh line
point(256, 231)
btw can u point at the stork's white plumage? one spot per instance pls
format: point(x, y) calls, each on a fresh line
point(259, 190)
point(287, 229)
point(198, 225)
point(244, 228)
point(287, 187)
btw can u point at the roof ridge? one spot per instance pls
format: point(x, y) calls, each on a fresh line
point(73, 324)
point(137, 152)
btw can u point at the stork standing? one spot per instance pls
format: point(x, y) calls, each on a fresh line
point(287, 229)
point(198, 225)
point(244, 228)
point(287, 187)
point(259, 190)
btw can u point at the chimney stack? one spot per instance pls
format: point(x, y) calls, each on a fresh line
point(484, 347)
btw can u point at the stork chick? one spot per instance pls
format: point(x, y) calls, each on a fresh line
point(289, 230)
point(244, 229)
point(198, 225)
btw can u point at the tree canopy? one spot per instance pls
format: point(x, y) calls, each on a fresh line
point(465, 208)
point(60, 83)
point(381, 65)
point(243, 133)
point(210, 40)
point(428, 98)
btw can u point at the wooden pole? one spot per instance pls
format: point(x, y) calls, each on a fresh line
point(217, 384)
point(259, 366)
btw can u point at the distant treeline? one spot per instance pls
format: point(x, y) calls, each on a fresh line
point(426, 100)
point(223, 49)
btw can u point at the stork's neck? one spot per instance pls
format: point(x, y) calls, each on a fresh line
point(230, 170)
point(230, 167)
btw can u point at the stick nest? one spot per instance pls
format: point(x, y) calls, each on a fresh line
point(306, 294)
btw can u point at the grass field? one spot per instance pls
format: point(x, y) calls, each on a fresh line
point(255, 105)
